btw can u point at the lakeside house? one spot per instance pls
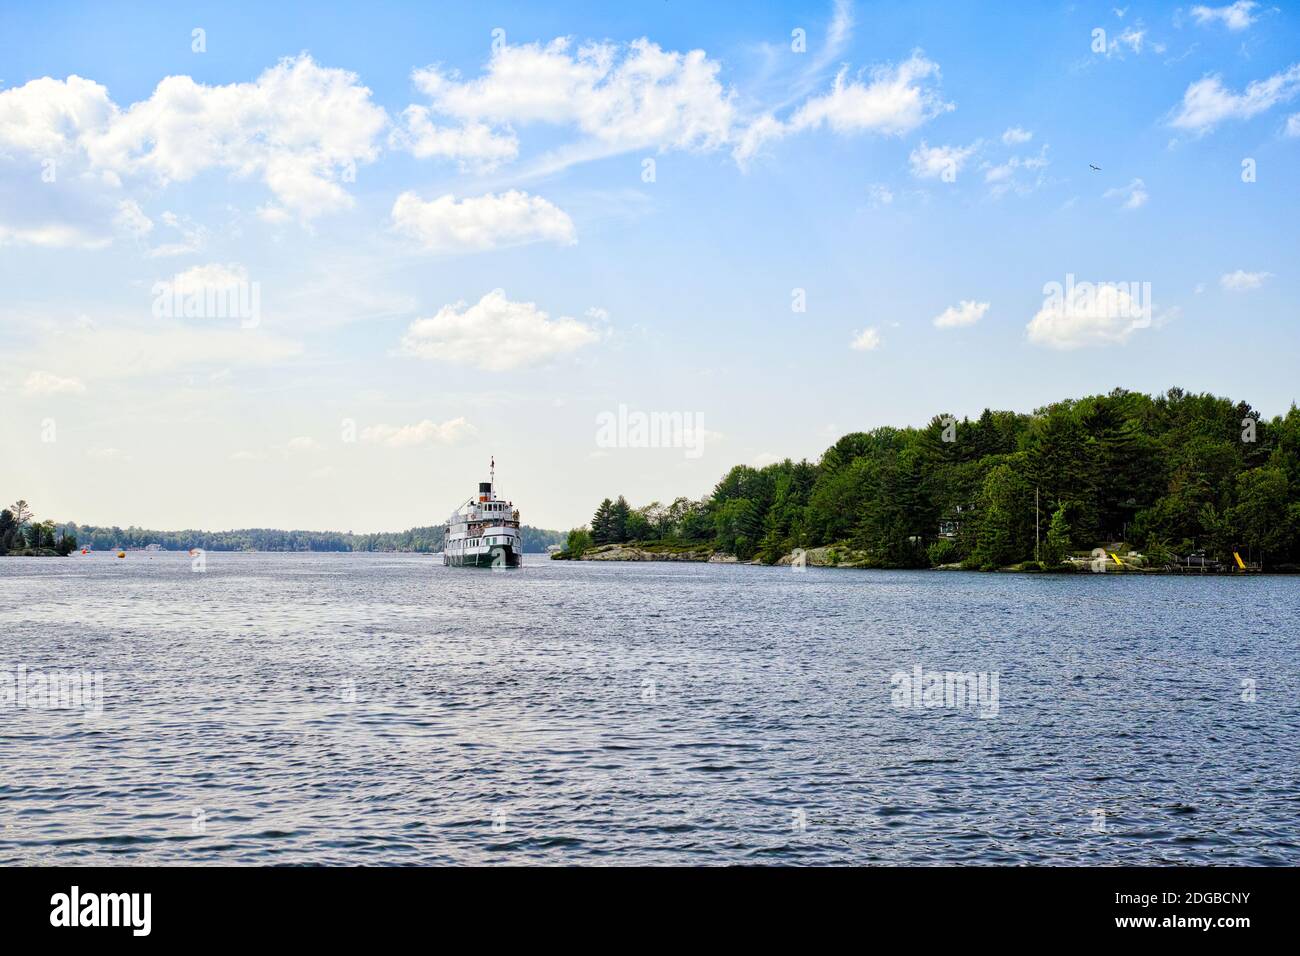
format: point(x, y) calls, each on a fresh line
point(950, 526)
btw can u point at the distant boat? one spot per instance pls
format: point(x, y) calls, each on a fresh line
point(484, 531)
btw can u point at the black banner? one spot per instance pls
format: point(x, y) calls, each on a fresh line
point(137, 906)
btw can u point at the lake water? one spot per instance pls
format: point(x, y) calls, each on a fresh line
point(381, 709)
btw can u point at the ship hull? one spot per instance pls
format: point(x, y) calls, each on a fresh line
point(499, 557)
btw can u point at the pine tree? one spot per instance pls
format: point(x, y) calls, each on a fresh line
point(618, 524)
point(1058, 539)
point(602, 530)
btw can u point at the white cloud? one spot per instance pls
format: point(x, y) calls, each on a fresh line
point(624, 96)
point(1089, 315)
point(878, 194)
point(421, 433)
point(132, 220)
point(47, 383)
point(48, 117)
point(868, 340)
point(480, 223)
point(1293, 125)
point(1133, 39)
point(967, 312)
point(752, 138)
point(474, 145)
point(300, 127)
point(932, 162)
point(1015, 136)
point(495, 334)
point(214, 275)
point(303, 443)
point(1206, 102)
point(894, 100)
point(1236, 16)
point(52, 235)
point(1023, 174)
point(1240, 281)
point(1135, 194)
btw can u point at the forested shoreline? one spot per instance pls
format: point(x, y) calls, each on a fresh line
point(1172, 475)
point(29, 536)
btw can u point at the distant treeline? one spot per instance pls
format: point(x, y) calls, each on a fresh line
point(269, 539)
point(1171, 474)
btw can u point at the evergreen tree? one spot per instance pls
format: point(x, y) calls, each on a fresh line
point(1057, 544)
point(618, 520)
point(602, 527)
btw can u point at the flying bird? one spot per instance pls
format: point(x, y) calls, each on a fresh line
point(1098, 168)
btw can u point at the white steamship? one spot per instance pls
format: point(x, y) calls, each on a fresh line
point(484, 532)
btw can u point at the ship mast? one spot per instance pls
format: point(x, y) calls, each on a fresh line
point(492, 475)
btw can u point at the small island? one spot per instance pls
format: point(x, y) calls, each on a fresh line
point(1122, 482)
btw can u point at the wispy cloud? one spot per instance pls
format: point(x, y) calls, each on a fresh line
point(1235, 16)
point(939, 162)
point(967, 312)
point(868, 340)
point(1241, 281)
point(1207, 102)
point(479, 223)
point(421, 433)
point(1134, 195)
point(889, 100)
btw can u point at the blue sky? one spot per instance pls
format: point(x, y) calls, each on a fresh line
point(377, 173)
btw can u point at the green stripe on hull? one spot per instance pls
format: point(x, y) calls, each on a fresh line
point(502, 558)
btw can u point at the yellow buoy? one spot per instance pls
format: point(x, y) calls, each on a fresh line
point(121, 554)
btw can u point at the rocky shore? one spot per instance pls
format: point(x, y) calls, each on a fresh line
point(629, 552)
point(842, 556)
point(826, 557)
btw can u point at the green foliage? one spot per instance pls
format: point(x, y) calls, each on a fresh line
point(1057, 545)
point(1175, 472)
point(1263, 516)
point(578, 541)
point(943, 551)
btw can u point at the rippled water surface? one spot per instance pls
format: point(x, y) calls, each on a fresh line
point(378, 709)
